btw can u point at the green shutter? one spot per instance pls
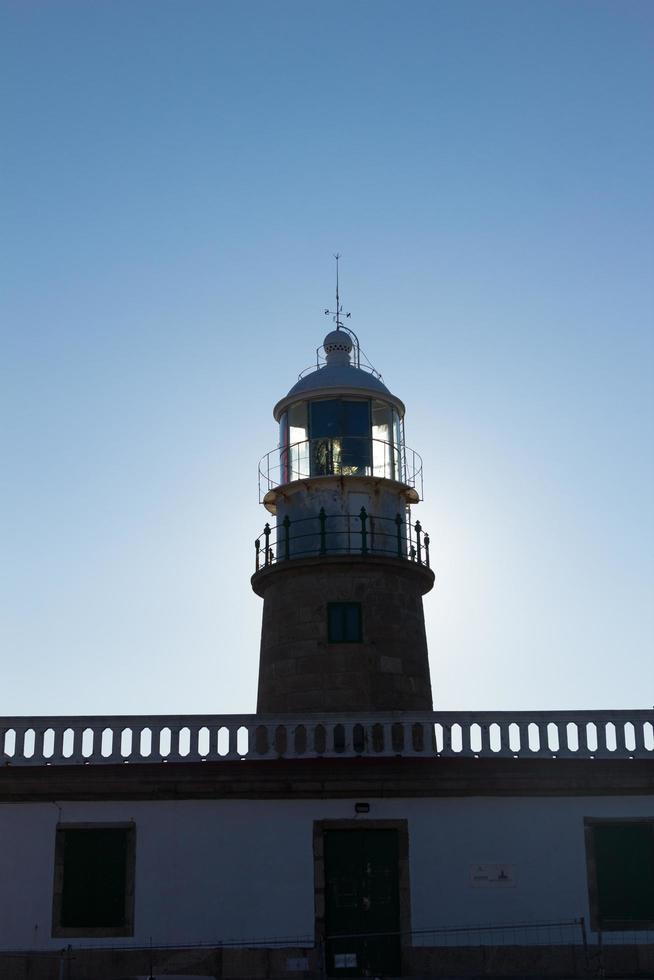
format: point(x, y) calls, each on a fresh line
point(624, 868)
point(344, 622)
point(95, 878)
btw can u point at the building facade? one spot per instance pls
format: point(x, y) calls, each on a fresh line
point(346, 829)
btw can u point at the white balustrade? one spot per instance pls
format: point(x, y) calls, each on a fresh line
point(100, 740)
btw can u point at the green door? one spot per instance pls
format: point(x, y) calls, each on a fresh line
point(362, 906)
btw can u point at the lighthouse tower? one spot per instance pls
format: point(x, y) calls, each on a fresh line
point(341, 565)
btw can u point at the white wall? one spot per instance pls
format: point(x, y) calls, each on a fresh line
point(209, 870)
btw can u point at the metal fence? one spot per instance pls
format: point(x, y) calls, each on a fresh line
point(490, 947)
point(341, 534)
point(340, 456)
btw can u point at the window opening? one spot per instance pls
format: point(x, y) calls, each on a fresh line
point(94, 875)
point(344, 622)
point(621, 873)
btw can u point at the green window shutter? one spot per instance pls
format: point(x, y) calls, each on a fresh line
point(94, 878)
point(344, 622)
point(624, 869)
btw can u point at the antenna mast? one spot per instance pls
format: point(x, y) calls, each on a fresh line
point(338, 305)
point(336, 314)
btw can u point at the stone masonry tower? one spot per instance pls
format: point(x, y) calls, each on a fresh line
point(342, 569)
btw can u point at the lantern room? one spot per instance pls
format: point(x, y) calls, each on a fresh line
point(341, 420)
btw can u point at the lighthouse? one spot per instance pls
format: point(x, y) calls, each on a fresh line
point(341, 564)
point(346, 829)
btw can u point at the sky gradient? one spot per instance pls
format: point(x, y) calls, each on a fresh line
point(174, 180)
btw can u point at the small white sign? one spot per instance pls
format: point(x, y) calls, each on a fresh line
point(497, 875)
point(344, 960)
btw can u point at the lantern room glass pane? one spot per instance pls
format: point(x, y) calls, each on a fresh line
point(332, 417)
point(298, 435)
point(382, 449)
point(398, 443)
point(340, 437)
point(297, 421)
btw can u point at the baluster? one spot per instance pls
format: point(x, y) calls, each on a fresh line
point(266, 534)
point(286, 523)
point(271, 753)
point(543, 747)
point(115, 755)
point(364, 534)
point(19, 744)
point(505, 742)
point(322, 517)
point(620, 743)
point(582, 738)
point(466, 739)
point(418, 542)
point(175, 735)
point(257, 548)
point(330, 740)
point(59, 744)
point(348, 738)
point(39, 744)
point(562, 738)
point(427, 550)
point(484, 736)
point(280, 740)
point(56, 744)
point(193, 742)
point(232, 741)
point(96, 751)
point(398, 524)
point(523, 730)
point(639, 738)
point(387, 729)
point(212, 751)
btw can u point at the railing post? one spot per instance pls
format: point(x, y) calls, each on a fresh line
point(266, 534)
point(322, 517)
point(398, 523)
point(364, 533)
point(286, 525)
point(427, 550)
point(257, 548)
point(418, 542)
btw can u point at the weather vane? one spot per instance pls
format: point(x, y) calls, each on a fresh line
point(339, 306)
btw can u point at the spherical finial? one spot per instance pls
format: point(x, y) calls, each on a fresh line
point(337, 346)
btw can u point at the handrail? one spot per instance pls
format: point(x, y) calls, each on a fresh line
point(340, 456)
point(106, 739)
point(341, 534)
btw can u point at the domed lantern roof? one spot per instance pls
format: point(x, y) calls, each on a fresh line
point(338, 376)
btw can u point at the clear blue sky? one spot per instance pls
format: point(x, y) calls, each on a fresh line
point(175, 177)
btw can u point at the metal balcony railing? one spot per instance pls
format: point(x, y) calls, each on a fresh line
point(342, 456)
point(341, 534)
point(101, 739)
